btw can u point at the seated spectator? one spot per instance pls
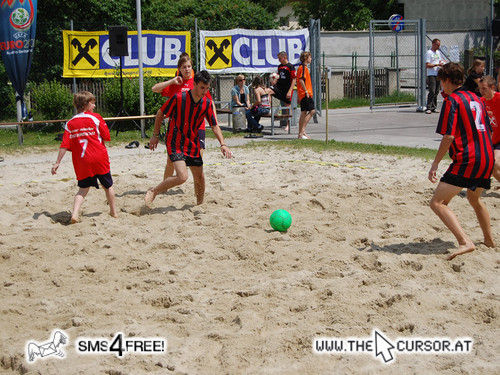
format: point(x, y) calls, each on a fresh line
point(240, 95)
point(261, 107)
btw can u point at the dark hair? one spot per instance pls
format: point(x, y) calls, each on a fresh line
point(452, 71)
point(435, 40)
point(257, 82)
point(202, 76)
point(282, 53)
point(81, 99)
point(489, 80)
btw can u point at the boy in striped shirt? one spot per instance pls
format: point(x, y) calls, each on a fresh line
point(466, 131)
point(187, 112)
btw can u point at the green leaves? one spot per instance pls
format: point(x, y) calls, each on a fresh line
point(152, 101)
point(344, 15)
point(211, 15)
point(8, 103)
point(51, 100)
point(93, 15)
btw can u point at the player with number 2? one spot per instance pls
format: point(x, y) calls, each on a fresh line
point(466, 132)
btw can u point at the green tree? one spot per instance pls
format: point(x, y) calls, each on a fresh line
point(272, 7)
point(211, 15)
point(54, 16)
point(344, 15)
point(95, 15)
point(8, 106)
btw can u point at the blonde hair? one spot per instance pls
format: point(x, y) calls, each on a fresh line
point(82, 99)
point(240, 77)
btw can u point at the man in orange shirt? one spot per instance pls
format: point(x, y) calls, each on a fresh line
point(305, 92)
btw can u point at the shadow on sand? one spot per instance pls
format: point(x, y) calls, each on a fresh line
point(63, 217)
point(145, 210)
point(143, 192)
point(433, 247)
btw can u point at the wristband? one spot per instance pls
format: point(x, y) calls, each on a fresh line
point(223, 145)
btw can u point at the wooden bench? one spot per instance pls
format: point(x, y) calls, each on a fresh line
point(272, 114)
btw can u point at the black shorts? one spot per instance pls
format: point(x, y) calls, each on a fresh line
point(190, 162)
point(468, 183)
point(496, 147)
point(201, 137)
point(281, 95)
point(105, 179)
point(306, 104)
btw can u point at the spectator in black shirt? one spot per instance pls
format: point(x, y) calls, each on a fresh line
point(283, 89)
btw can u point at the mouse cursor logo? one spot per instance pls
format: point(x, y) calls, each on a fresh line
point(383, 348)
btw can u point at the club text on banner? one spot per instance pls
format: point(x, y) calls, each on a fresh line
point(240, 50)
point(86, 53)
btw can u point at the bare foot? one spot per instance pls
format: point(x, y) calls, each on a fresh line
point(286, 128)
point(74, 220)
point(150, 197)
point(113, 214)
point(489, 243)
point(462, 249)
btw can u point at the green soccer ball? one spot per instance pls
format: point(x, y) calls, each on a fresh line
point(280, 220)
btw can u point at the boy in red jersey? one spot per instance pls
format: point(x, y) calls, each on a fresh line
point(465, 127)
point(491, 99)
point(187, 112)
point(84, 136)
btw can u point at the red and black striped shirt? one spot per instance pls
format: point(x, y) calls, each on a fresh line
point(186, 118)
point(464, 116)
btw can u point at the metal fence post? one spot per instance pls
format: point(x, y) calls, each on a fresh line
point(196, 50)
point(422, 69)
point(370, 63)
point(315, 47)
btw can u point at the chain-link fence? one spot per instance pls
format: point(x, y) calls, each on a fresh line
point(396, 55)
point(459, 45)
point(222, 84)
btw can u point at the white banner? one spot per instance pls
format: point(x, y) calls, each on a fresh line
point(253, 51)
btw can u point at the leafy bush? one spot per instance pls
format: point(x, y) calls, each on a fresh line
point(51, 101)
point(8, 106)
point(152, 101)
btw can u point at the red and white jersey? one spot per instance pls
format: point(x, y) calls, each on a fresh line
point(186, 85)
point(493, 109)
point(84, 136)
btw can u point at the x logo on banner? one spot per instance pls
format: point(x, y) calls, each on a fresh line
point(83, 52)
point(218, 51)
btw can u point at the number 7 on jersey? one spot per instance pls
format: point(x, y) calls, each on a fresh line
point(84, 143)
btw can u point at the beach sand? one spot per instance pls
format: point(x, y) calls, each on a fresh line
point(229, 294)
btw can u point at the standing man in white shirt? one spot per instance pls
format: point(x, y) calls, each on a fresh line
point(433, 62)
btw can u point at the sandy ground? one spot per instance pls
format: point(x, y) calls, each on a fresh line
point(228, 293)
